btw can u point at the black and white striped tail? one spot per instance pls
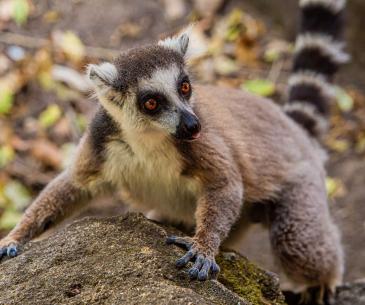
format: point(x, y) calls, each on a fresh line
point(318, 54)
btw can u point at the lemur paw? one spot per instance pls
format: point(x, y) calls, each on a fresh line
point(8, 247)
point(204, 264)
point(317, 296)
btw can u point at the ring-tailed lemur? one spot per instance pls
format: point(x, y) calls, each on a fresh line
point(203, 155)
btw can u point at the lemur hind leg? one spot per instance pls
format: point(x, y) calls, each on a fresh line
point(60, 196)
point(304, 238)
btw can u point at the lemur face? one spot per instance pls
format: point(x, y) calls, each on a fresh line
point(148, 89)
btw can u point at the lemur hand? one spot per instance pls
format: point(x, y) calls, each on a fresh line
point(204, 263)
point(8, 247)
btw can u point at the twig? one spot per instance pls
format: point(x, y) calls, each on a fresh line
point(35, 42)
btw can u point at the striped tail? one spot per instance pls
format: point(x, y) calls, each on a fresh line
point(318, 55)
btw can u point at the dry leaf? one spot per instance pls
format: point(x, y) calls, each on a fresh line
point(46, 152)
point(70, 44)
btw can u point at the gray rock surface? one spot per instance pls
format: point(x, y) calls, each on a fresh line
point(351, 294)
point(124, 260)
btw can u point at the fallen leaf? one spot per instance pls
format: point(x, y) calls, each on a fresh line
point(46, 152)
point(344, 100)
point(7, 154)
point(260, 87)
point(51, 16)
point(17, 194)
point(50, 116)
point(70, 44)
point(81, 122)
point(68, 152)
point(6, 100)
point(224, 65)
point(339, 145)
point(335, 187)
point(20, 11)
point(9, 219)
point(277, 49)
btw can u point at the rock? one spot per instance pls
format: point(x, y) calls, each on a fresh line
point(348, 294)
point(124, 260)
point(351, 294)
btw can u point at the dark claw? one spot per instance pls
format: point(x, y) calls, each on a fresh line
point(181, 262)
point(12, 251)
point(179, 241)
point(214, 269)
point(171, 240)
point(204, 271)
point(3, 252)
point(194, 271)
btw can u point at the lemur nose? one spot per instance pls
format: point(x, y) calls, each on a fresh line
point(189, 127)
point(193, 128)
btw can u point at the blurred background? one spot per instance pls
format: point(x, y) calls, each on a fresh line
point(45, 99)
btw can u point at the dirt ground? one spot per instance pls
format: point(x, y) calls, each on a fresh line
point(98, 24)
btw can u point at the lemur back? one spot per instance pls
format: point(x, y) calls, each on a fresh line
point(203, 155)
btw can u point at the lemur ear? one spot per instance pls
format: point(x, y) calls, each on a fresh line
point(102, 75)
point(179, 43)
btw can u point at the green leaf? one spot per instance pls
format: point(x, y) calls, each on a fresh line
point(6, 155)
point(20, 11)
point(6, 100)
point(17, 194)
point(9, 219)
point(335, 187)
point(271, 55)
point(224, 65)
point(81, 122)
point(261, 87)
point(344, 100)
point(45, 80)
point(72, 46)
point(50, 116)
point(339, 145)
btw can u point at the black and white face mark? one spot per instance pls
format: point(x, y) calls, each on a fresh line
point(165, 100)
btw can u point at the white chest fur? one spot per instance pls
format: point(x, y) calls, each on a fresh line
point(151, 176)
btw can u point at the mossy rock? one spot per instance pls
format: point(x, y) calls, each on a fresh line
point(247, 280)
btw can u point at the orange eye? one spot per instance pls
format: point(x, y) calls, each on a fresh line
point(185, 88)
point(151, 104)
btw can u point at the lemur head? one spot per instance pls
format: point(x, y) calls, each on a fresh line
point(148, 89)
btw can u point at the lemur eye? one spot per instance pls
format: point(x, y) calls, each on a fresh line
point(185, 88)
point(151, 104)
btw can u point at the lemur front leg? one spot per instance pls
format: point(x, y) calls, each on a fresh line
point(217, 211)
point(59, 196)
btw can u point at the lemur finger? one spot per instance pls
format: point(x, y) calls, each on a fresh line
point(181, 262)
point(183, 242)
point(12, 251)
point(3, 252)
point(214, 269)
point(204, 271)
point(194, 271)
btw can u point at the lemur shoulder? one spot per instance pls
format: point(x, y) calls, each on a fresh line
point(204, 155)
